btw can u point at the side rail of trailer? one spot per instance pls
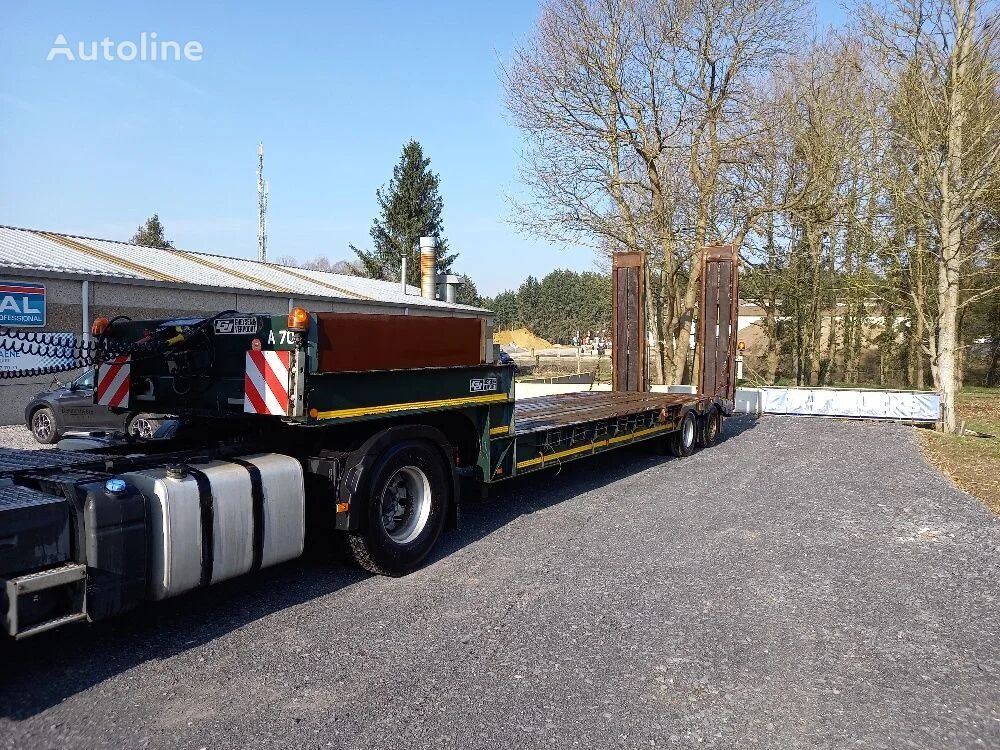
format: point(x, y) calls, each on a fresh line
point(552, 430)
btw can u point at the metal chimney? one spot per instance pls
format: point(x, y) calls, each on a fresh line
point(448, 285)
point(428, 251)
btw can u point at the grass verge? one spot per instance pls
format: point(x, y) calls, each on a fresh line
point(973, 463)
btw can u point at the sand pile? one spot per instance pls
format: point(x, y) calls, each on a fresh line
point(522, 338)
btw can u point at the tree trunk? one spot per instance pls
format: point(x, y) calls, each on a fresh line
point(772, 351)
point(991, 372)
point(815, 330)
point(946, 379)
point(917, 349)
point(952, 205)
point(653, 319)
point(919, 292)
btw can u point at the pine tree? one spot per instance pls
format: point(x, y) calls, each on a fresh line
point(467, 292)
point(528, 300)
point(505, 307)
point(410, 209)
point(151, 234)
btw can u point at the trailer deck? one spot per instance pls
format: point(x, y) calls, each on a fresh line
point(551, 430)
point(567, 409)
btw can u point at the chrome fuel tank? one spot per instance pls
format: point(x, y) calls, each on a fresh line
point(213, 521)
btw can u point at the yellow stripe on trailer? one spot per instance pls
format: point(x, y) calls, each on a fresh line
point(593, 446)
point(501, 430)
point(364, 411)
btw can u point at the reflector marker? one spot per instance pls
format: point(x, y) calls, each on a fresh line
point(265, 385)
point(113, 383)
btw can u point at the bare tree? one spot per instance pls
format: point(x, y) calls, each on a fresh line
point(859, 175)
point(638, 120)
point(937, 58)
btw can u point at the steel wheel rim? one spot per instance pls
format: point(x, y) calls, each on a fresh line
point(713, 428)
point(687, 432)
point(405, 504)
point(41, 425)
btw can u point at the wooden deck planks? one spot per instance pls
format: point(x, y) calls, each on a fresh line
point(567, 409)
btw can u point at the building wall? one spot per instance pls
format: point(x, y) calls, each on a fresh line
point(64, 312)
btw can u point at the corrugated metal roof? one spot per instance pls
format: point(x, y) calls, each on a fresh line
point(34, 250)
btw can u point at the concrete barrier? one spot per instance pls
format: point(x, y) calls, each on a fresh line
point(748, 401)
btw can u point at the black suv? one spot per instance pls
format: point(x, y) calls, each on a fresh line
point(71, 408)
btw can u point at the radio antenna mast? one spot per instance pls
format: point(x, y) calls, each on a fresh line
point(262, 190)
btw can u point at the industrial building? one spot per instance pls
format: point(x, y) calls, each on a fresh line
point(79, 278)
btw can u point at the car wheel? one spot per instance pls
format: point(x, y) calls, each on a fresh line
point(142, 426)
point(43, 425)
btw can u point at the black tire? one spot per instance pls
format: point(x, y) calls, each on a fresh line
point(142, 425)
point(43, 425)
point(393, 542)
point(711, 428)
point(682, 442)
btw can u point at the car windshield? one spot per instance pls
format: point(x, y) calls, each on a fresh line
point(85, 381)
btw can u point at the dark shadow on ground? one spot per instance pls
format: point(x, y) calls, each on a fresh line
point(45, 670)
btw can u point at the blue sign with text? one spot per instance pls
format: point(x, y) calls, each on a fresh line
point(22, 303)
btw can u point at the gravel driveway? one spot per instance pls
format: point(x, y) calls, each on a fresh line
point(18, 436)
point(807, 583)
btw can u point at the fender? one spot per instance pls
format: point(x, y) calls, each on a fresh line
point(359, 462)
point(683, 412)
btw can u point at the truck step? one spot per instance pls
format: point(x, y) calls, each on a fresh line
point(52, 624)
point(45, 599)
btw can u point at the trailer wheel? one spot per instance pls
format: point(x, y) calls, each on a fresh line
point(711, 428)
point(681, 443)
point(406, 492)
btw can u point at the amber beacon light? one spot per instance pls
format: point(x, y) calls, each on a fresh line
point(99, 326)
point(298, 319)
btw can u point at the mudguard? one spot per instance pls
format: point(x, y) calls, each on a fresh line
point(360, 461)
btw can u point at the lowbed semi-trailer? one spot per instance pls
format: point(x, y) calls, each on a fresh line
point(348, 430)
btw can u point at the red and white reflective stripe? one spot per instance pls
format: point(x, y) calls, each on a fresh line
point(265, 387)
point(113, 382)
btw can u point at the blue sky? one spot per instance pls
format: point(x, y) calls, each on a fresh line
point(332, 89)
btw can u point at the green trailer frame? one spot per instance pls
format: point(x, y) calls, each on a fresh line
point(511, 437)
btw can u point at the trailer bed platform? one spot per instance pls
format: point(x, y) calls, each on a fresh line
point(567, 409)
point(550, 430)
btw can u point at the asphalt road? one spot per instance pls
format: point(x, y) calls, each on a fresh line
point(807, 583)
